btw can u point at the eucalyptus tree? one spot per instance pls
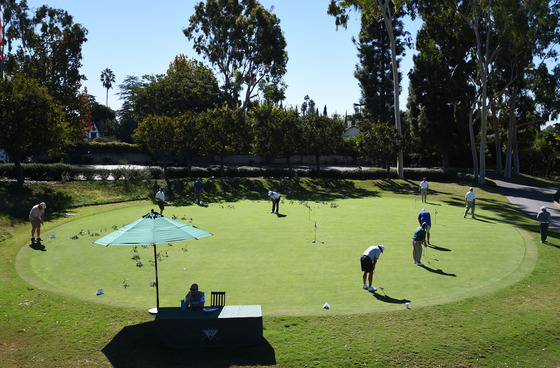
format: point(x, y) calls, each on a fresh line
point(243, 41)
point(107, 79)
point(384, 11)
point(504, 30)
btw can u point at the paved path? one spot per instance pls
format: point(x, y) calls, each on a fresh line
point(530, 199)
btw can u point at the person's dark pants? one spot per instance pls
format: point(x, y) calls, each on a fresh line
point(544, 230)
point(276, 204)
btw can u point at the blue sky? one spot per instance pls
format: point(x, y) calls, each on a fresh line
point(139, 37)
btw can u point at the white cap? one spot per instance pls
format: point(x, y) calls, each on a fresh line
point(43, 204)
point(382, 247)
point(543, 208)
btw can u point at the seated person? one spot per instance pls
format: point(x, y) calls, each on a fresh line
point(195, 298)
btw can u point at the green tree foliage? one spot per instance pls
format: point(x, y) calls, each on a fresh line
point(276, 132)
point(187, 86)
point(374, 71)
point(189, 138)
point(30, 131)
point(386, 12)
point(225, 131)
point(321, 135)
point(378, 143)
point(243, 41)
point(441, 86)
point(123, 127)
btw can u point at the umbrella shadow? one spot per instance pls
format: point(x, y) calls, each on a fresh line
point(37, 246)
point(136, 346)
point(387, 299)
point(439, 271)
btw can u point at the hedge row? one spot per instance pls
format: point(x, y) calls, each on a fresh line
point(65, 172)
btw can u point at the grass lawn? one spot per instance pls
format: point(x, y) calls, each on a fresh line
point(488, 296)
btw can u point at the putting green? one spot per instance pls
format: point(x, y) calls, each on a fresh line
point(262, 258)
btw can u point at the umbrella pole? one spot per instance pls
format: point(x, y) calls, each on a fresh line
point(157, 282)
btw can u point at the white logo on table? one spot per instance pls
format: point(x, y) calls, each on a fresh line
point(210, 333)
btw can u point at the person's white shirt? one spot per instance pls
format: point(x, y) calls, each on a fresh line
point(470, 197)
point(160, 196)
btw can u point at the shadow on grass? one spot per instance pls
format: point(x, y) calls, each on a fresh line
point(441, 249)
point(387, 299)
point(17, 201)
point(136, 346)
point(37, 246)
point(439, 271)
point(236, 189)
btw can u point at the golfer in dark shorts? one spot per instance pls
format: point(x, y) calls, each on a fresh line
point(368, 260)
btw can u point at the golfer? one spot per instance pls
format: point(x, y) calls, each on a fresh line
point(544, 218)
point(418, 239)
point(424, 216)
point(424, 190)
point(198, 185)
point(194, 298)
point(470, 202)
point(275, 199)
point(36, 216)
point(160, 197)
point(368, 260)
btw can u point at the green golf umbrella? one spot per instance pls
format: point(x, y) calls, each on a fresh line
point(153, 229)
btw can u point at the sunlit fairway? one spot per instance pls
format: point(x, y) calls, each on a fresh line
point(291, 263)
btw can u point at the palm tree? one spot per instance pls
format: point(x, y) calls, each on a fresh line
point(107, 78)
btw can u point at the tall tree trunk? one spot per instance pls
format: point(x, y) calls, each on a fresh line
point(512, 132)
point(497, 143)
point(473, 145)
point(19, 170)
point(515, 151)
point(318, 165)
point(387, 19)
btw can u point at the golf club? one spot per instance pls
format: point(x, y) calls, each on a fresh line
point(426, 254)
point(379, 282)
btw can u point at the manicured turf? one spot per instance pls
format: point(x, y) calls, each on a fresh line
point(262, 258)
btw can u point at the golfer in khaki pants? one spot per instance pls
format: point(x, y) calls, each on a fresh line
point(470, 202)
point(418, 239)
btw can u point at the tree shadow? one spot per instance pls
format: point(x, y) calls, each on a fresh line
point(136, 346)
point(17, 201)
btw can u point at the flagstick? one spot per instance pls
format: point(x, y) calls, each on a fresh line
point(315, 239)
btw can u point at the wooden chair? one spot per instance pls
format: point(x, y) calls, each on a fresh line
point(218, 298)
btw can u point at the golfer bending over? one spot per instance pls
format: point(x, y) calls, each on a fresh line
point(368, 261)
point(36, 216)
point(275, 198)
point(195, 298)
point(418, 238)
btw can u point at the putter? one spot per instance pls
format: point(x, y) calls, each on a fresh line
point(379, 282)
point(427, 259)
